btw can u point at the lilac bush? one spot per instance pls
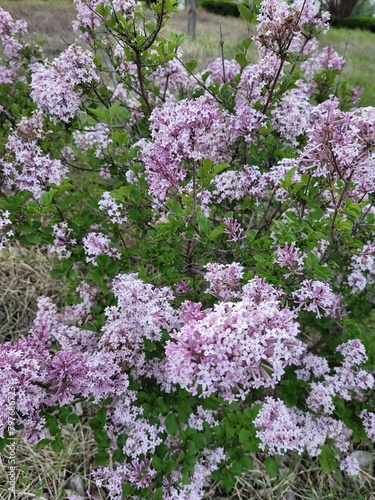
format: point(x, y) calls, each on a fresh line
point(215, 233)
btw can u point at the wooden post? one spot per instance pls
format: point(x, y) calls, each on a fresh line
point(192, 18)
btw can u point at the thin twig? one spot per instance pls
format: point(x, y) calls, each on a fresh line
point(222, 53)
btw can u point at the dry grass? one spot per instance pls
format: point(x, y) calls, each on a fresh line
point(47, 20)
point(24, 276)
point(298, 479)
point(43, 474)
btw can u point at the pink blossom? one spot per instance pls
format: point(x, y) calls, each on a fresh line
point(143, 438)
point(89, 19)
point(368, 419)
point(254, 78)
point(5, 232)
point(95, 137)
point(362, 268)
point(112, 208)
point(354, 353)
point(78, 313)
point(13, 47)
point(290, 257)
point(233, 229)
point(183, 134)
point(235, 347)
point(292, 115)
point(140, 473)
point(61, 238)
point(65, 374)
point(95, 244)
point(277, 25)
point(231, 69)
point(22, 374)
point(173, 80)
point(312, 364)
point(26, 167)
point(142, 312)
point(350, 465)
point(282, 429)
point(317, 296)
point(339, 144)
point(55, 86)
point(223, 279)
point(191, 311)
point(258, 290)
point(347, 381)
point(197, 419)
point(326, 59)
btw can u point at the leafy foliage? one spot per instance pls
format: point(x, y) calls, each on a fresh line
point(215, 233)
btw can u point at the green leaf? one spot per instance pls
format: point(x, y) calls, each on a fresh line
point(241, 59)
point(204, 226)
point(158, 494)
point(191, 65)
point(47, 197)
point(272, 466)
point(216, 233)
point(312, 260)
point(102, 438)
point(73, 419)
point(57, 445)
point(158, 464)
point(327, 459)
point(43, 443)
point(207, 165)
point(118, 456)
point(160, 405)
point(170, 465)
point(119, 137)
point(220, 168)
point(101, 415)
point(228, 481)
point(237, 468)
point(101, 458)
point(172, 423)
point(287, 181)
point(245, 13)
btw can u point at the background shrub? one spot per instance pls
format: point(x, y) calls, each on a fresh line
point(221, 7)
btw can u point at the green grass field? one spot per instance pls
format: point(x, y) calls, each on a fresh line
point(51, 20)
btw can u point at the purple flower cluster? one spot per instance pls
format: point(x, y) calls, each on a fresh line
point(221, 71)
point(317, 296)
point(282, 429)
point(234, 348)
point(61, 239)
point(112, 208)
point(290, 257)
point(96, 244)
point(89, 19)
point(347, 381)
point(223, 280)
point(142, 312)
point(5, 232)
point(362, 268)
point(94, 137)
point(55, 86)
point(26, 167)
point(183, 135)
point(13, 47)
